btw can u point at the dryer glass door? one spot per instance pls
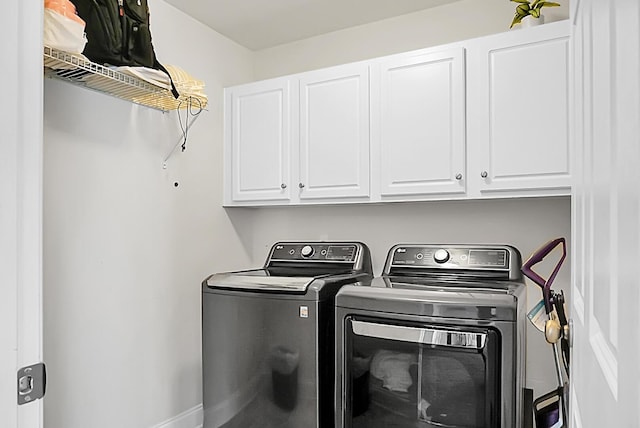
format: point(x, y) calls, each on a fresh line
point(414, 375)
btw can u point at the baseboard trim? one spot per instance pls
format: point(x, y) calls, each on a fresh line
point(221, 413)
point(192, 418)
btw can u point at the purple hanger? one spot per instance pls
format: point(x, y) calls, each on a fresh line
point(536, 258)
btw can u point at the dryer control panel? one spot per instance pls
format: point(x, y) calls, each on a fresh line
point(494, 258)
point(501, 258)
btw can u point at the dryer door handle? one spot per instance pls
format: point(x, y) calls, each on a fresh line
point(426, 336)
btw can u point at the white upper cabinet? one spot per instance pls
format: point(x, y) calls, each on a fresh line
point(298, 139)
point(418, 123)
point(258, 140)
point(481, 118)
point(334, 133)
point(518, 103)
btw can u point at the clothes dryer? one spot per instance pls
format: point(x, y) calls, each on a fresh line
point(436, 341)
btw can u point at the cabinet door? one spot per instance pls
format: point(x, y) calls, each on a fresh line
point(258, 116)
point(518, 110)
point(334, 133)
point(418, 123)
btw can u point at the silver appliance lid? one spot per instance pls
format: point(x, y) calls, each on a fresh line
point(292, 267)
point(240, 281)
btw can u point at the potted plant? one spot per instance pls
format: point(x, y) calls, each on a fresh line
point(530, 9)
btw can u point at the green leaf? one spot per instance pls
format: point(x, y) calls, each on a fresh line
point(535, 13)
point(516, 20)
point(521, 1)
point(535, 2)
point(523, 9)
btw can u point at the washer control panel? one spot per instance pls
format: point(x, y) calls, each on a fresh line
point(450, 257)
point(314, 252)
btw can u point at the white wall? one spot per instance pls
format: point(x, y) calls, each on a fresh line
point(460, 20)
point(524, 223)
point(125, 250)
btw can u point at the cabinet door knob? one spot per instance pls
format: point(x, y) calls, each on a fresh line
point(283, 186)
point(301, 185)
point(458, 177)
point(484, 174)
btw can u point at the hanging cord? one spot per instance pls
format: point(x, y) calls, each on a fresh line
point(192, 111)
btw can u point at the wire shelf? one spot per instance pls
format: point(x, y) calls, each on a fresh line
point(78, 70)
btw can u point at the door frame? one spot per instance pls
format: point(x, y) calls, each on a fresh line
point(21, 219)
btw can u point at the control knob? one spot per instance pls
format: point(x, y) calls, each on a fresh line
point(441, 256)
point(307, 251)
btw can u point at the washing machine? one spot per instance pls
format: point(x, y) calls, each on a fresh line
point(268, 336)
point(438, 340)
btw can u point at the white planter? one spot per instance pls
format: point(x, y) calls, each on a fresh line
point(530, 21)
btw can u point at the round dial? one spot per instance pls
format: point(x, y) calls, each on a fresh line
point(307, 251)
point(441, 256)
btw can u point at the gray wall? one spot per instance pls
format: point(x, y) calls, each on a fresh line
point(461, 20)
point(125, 250)
point(523, 223)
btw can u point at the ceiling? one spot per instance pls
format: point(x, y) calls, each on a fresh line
point(259, 24)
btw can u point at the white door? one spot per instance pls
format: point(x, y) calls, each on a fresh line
point(258, 143)
point(606, 214)
point(334, 132)
point(418, 122)
point(20, 205)
point(518, 104)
